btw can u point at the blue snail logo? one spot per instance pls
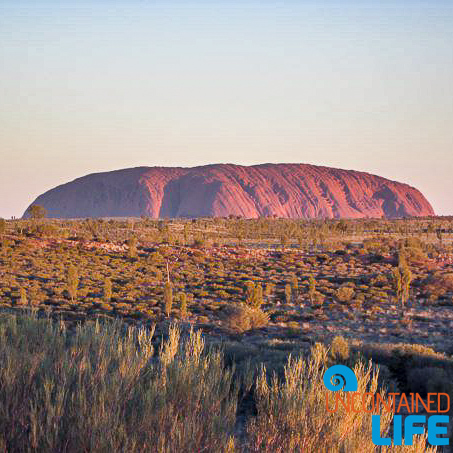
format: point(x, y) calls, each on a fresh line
point(340, 377)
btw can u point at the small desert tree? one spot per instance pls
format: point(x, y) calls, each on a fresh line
point(268, 290)
point(402, 278)
point(107, 290)
point(23, 296)
point(288, 293)
point(73, 282)
point(397, 282)
point(186, 234)
point(284, 240)
point(2, 226)
point(257, 296)
point(132, 243)
point(37, 212)
point(183, 305)
point(295, 285)
point(406, 279)
point(249, 292)
point(168, 298)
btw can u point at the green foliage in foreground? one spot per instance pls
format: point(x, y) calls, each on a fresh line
point(102, 387)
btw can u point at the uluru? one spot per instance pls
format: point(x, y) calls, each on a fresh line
point(218, 190)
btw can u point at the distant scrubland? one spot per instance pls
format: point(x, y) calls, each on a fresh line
point(144, 335)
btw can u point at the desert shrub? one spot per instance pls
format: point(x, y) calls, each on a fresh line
point(199, 241)
point(97, 389)
point(402, 358)
point(344, 293)
point(414, 254)
point(438, 284)
point(380, 280)
point(203, 320)
point(36, 212)
point(293, 325)
point(45, 229)
point(413, 249)
point(339, 349)
point(417, 351)
point(375, 245)
point(359, 300)
point(292, 415)
point(241, 318)
point(318, 298)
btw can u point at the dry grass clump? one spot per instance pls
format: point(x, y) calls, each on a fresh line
point(292, 415)
point(101, 389)
point(339, 349)
point(241, 318)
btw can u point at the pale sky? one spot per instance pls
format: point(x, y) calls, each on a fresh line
point(92, 86)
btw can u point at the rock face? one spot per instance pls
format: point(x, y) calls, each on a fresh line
point(283, 190)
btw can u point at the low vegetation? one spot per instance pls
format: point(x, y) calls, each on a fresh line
point(102, 387)
point(269, 297)
point(105, 387)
